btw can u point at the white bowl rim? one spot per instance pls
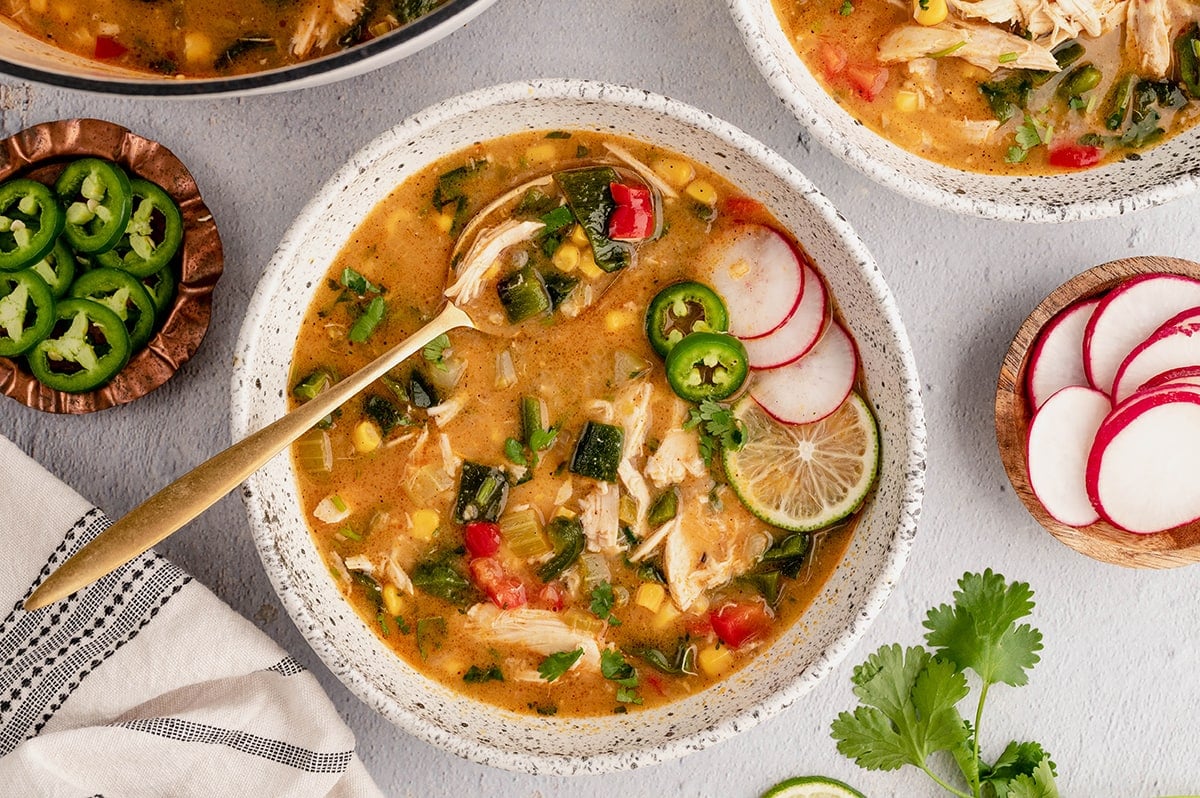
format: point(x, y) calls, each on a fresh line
point(773, 70)
point(913, 467)
point(355, 60)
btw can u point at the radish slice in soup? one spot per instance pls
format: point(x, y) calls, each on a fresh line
point(1057, 359)
point(760, 277)
point(812, 387)
point(1172, 346)
point(800, 333)
point(1140, 474)
point(1060, 438)
point(1127, 316)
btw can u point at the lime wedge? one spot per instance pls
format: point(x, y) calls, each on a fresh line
point(812, 787)
point(804, 477)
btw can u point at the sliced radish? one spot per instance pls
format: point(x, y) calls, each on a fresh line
point(1140, 474)
point(1060, 438)
point(812, 387)
point(1170, 347)
point(1057, 359)
point(1181, 374)
point(798, 334)
point(1127, 316)
point(760, 277)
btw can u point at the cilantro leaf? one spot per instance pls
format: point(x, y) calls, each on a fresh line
point(1017, 760)
point(602, 603)
point(980, 632)
point(514, 451)
point(717, 427)
point(542, 439)
point(478, 675)
point(614, 667)
point(1039, 784)
point(556, 665)
point(435, 352)
point(357, 283)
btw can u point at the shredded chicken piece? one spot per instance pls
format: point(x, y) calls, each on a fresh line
point(981, 45)
point(924, 79)
point(700, 554)
point(645, 172)
point(340, 568)
point(321, 21)
point(650, 544)
point(1049, 22)
point(1148, 33)
point(512, 194)
point(483, 253)
point(361, 562)
point(976, 131)
point(602, 410)
point(678, 457)
point(632, 406)
point(541, 631)
point(450, 461)
point(444, 413)
point(601, 517)
point(565, 491)
point(397, 574)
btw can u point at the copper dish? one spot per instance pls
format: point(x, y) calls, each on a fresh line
point(41, 152)
point(1101, 540)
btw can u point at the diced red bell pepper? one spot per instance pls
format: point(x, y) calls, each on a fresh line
point(482, 538)
point(108, 47)
point(504, 589)
point(738, 623)
point(1075, 156)
point(867, 79)
point(833, 58)
point(633, 218)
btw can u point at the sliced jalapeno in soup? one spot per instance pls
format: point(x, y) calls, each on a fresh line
point(57, 268)
point(31, 219)
point(86, 348)
point(153, 235)
point(125, 296)
point(707, 366)
point(681, 309)
point(97, 197)
point(26, 311)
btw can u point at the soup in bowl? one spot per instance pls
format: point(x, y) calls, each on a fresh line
point(582, 514)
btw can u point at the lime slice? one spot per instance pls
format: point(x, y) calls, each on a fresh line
point(804, 477)
point(812, 787)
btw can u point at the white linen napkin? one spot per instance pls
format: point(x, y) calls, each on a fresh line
point(145, 684)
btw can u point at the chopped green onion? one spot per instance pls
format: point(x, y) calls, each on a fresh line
point(1008, 58)
point(954, 48)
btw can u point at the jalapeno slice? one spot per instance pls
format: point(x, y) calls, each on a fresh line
point(57, 268)
point(87, 346)
point(26, 311)
point(161, 288)
point(125, 296)
point(706, 365)
point(681, 309)
point(97, 197)
point(153, 235)
point(31, 219)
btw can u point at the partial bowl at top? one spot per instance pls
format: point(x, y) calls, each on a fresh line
point(1150, 176)
point(777, 676)
point(354, 37)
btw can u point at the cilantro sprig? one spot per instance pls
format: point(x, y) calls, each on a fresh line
point(717, 427)
point(436, 351)
point(909, 697)
point(555, 665)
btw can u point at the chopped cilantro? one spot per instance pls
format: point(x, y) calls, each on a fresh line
point(848, 7)
point(435, 352)
point(515, 452)
point(717, 427)
point(478, 675)
point(357, 283)
point(614, 668)
point(556, 665)
point(602, 603)
point(364, 326)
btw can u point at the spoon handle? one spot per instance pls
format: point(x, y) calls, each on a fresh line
point(196, 491)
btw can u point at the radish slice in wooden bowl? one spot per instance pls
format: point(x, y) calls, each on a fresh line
point(812, 387)
point(1188, 374)
point(800, 333)
point(1174, 345)
point(759, 276)
point(1057, 358)
point(1060, 438)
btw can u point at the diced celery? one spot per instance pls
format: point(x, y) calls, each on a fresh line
point(594, 568)
point(523, 533)
point(314, 452)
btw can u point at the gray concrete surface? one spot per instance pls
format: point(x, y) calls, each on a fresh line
point(1115, 696)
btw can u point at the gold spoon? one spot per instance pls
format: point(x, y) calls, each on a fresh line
point(187, 497)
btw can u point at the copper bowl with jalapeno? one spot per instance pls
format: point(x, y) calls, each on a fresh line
point(108, 259)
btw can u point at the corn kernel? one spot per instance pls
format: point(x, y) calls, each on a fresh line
point(579, 236)
point(907, 101)
point(64, 12)
point(666, 615)
point(566, 258)
point(702, 191)
point(587, 265)
point(444, 222)
point(197, 48)
point(393, 601)
point(366, 436)
point(929, 12)
point(541, 153)
point(424, 524)
point(616, 320)
point(715, 661)
point(563, 512)
point(650, 595)
point(676, 172)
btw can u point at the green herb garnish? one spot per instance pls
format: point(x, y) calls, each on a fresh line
point(435, 352)
point(365, 325)
point(717, 426)
point(357, 283)
point(602, 603)
point(478, 675)
point(556, 665)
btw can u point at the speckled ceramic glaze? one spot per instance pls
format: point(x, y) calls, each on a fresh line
point(778, 676)
point(1162, 173)
point(27, 58)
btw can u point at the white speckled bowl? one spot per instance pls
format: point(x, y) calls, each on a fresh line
point(1164, 173)
point(779, 675)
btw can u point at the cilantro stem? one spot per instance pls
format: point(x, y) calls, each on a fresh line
point(978, 716)
point(943, 784)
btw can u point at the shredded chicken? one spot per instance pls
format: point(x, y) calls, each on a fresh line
point(445, 412)
point(397, 574)
point(321, 21)
point(361, 562)
point(924, 79)
point(541, 631)
point(645, 172)
point(981, 45)
point(700, 554)
point(1148, 33)
point(632, 406)
point(651, 544)
point(565, 491)
point(976, 131)
point(678, 457)
point(601, 517)
point(450, 461)
point(483, 253)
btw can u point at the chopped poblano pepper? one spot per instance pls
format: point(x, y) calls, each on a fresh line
point(482, 493)
point(598, 452)
point(591, 201)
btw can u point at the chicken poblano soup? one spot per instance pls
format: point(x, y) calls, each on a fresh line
point(1007, 86)
point(209, 38)
point(585, 509)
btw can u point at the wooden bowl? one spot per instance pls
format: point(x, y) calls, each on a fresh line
point(1101, 540)
point(41, 152)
